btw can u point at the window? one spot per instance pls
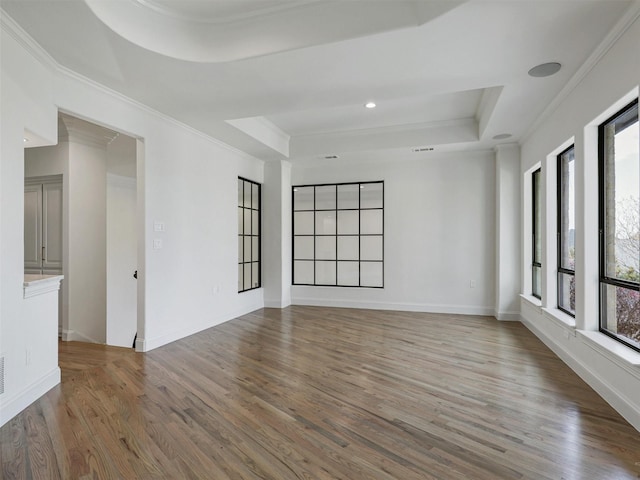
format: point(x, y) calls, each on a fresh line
point(338, 237)
point(248, 235)
point(536, 254)
point(619, 175)
point(566, 231)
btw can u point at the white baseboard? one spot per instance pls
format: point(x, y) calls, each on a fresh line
point(403, 307)
point(73, 336)
point(13, 406)
point(628, 409)
point(507, 316)
point(147, 344)
point(275, 304)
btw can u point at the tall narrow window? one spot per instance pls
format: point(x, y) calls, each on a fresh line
point(619, 160)
point(536, 254)
point(566, 231)
point(338, 234)
point(248, 235)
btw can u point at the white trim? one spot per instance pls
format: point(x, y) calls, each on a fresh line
point(73, 336)
point(404, 307)
point(147, 344)
point(507, 316)
point(629, 17)
point(613, 350)
point(40, 284)
point(275, 304)
point(13, 406)
point(15, 31)
point(611, 395)
point(561, 319)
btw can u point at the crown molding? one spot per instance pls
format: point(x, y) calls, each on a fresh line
point(630, 16)
point(15, 31)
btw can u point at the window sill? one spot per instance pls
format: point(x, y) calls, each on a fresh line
point(533, 301)
point(613, 350)
point(561, 319)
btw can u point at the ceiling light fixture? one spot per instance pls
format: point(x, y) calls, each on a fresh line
point(502, 136)
point(25, 140)
point(545, 69)
point(370, 105)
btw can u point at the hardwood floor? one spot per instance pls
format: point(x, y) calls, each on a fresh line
point(319, 393)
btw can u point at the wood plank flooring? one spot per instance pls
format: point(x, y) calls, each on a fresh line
point(323, 393)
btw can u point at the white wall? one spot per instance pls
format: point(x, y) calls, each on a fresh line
point(188, 181)
point(26, 93)
point(439, 232)
point(121, 261)
point(611, 79)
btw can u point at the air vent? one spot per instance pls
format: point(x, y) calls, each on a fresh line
point(331, 157)
point(1, 375)
point(423, 149)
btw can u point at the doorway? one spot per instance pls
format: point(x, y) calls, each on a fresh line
point(97, 168)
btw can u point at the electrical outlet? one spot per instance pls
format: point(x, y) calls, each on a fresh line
point(472, 284)
point(157, 243)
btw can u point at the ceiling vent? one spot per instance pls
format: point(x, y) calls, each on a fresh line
point(331, 157)
point(422, 149)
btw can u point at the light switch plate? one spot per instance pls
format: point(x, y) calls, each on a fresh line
point(157, 243)
point(158, 226)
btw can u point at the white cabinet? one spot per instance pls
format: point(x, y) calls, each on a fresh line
point(43, 225)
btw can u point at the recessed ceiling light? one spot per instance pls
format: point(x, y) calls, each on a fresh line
point(545, 69)
point(25, 140)
point(502, 136)
point(370, 105)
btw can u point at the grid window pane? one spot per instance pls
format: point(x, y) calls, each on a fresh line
point(303, 222)
point(537, 281)
point(247, 276)
point(240, 249)
point(371, 274)
point(371, 248)
point(371, 222)
point(620, 315)
point(566, 209)
point(240, 277)
point(371, 195)
point(303, 198)
point(240, 220)
point(326, 197)
point(326, 248)
point(247, 221)
point(348, 273)
point(247, 195)
point(255, 275)
point(348, 196)
point(348, 248)
point(247, 249)
point(326, 223)
point(348, 222)
point(303, 248)
point(240, 192)
point(303, 272)
point(255, 249)
point(255, 222)
point(255, 196)
point(567, 292)
point(325, 273)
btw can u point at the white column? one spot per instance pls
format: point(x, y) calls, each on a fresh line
point(507, 232)
point(276, 233)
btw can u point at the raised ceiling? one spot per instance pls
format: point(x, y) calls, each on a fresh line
point(289, 79)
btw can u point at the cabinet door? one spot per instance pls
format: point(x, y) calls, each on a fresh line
point(52, 226)
point(32, 227)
